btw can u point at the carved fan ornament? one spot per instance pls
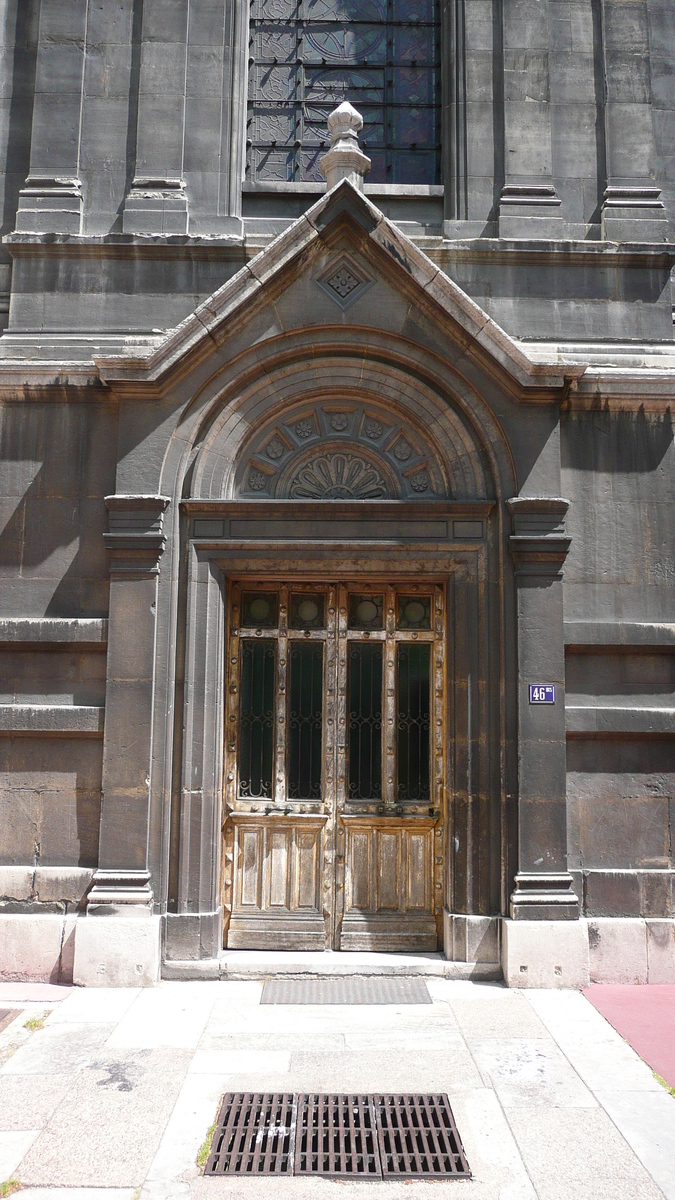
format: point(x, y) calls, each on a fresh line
point(338, 477)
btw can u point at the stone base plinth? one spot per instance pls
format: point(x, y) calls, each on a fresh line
point(545, 954)
point(114, 951)
point(37, 947)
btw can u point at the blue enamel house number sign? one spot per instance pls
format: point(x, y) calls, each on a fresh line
point(542, 693)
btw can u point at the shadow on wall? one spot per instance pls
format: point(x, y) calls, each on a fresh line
point(56, 465)
point(613, 442)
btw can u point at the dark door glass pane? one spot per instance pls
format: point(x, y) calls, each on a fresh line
point(365, 721)
point(414, 723)
point(258, 661)
point(304, 720)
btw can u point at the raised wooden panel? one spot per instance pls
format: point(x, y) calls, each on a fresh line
point(278, 869)
point(389, 884)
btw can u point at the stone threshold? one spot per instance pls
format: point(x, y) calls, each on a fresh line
point(264, 964)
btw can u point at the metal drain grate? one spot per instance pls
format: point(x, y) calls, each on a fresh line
point(418, 1136)
point(367, 1136)
point(336, 1135)
point(254, 1135)
point(375, 989)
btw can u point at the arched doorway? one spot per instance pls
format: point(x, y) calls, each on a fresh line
point(341, 552)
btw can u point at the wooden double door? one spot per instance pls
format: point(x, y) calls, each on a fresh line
point(335, 765)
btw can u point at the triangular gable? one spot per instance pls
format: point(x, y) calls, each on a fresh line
point(153, 370)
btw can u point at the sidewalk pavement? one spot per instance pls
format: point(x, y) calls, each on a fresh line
point(112, 1098)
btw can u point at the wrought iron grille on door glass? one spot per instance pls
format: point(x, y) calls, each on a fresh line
point(339, 695)
point(307, 56)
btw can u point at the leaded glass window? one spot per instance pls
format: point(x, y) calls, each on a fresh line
point(307, 56)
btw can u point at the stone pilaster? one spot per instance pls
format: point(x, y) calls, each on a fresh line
point(135, 542)
point(51, 199)
point(529, 206)
point(157, 201)
point(539, 545)
point(633, 210)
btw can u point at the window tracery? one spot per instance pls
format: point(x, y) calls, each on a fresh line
point(306, 56)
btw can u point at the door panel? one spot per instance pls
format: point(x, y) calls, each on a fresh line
point(335, 766)
point(389, 884)
point(276, 903)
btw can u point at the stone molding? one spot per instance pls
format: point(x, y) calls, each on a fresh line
point(539, 544)
point(68, 719)
point(127, 892)
point(545, 897)
point(59, 631)
point(135, 537)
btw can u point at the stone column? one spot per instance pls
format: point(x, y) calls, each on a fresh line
point(121, 950)
point(529, 206)
point(157, 201)
point(51, 199)
point(545, 945)
point(632, 210)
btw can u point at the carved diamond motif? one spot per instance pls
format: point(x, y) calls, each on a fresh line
point(344, 281)
point(338, 477)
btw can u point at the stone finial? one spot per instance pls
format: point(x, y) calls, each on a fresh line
point(344, 160)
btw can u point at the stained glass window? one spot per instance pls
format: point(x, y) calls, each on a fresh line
point(307, 56)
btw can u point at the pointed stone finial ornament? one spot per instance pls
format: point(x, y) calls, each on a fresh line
point(345, 159)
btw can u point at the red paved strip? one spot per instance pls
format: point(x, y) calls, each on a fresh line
point(22, 993)
point(645, 1017)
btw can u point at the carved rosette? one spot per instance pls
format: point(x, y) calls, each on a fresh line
point(339, 477)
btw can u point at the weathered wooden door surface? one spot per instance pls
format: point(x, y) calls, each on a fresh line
point(335, 766)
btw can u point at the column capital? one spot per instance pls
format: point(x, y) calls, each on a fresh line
point(539, 542)
point(135, 537)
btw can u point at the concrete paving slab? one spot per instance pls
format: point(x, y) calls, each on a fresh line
point(214, 1039)
point(241, 1062)
point(174, 1014)
point(647, 1121)
point(386, 1070)
point(77, 1194)
point(490, 1146)
point(108, 1134)
point(506, 1015)
point(57, 1050)
point(97, 1005)
point(529, 1071)
point(14, 1146)
point(195, 1111)
point(29, 1100)
point(568, 1157)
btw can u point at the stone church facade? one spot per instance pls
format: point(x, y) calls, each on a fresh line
point(336, 513)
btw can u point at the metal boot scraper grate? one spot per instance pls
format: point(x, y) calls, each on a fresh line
point(371, 1136)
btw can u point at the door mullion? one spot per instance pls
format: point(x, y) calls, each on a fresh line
point(389, 781)
point(341, 652)
point(280, 766)
point(330, 740)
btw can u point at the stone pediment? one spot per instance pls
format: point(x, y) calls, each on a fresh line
point(342, 262)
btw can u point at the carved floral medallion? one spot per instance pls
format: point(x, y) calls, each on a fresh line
point(336, 476)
